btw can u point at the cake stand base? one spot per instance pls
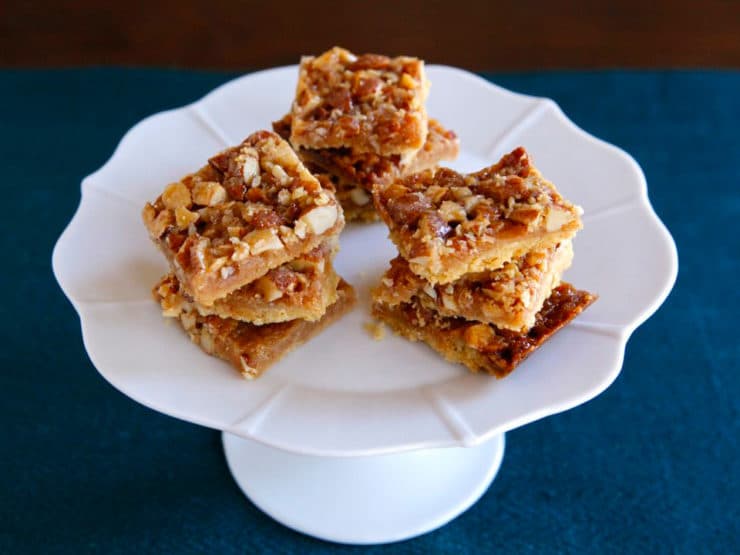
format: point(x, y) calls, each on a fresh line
point(363, 500)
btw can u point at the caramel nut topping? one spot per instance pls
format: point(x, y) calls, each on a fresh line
point(448, 224)
point(369, 103)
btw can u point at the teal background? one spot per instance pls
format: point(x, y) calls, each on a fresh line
point(649, 466)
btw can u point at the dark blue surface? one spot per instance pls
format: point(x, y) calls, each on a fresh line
point(649, 466)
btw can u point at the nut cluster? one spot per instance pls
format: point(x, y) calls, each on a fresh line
point(371, 103)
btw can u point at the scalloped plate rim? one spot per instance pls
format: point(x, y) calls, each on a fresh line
point(625, 331)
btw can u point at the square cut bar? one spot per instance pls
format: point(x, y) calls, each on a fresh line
point(447, 224)
point(251, 349)
point(368, 103)
point(252, 208)
point(483, 347)
point(300, 289)
point(365, 170)
point(509, 297)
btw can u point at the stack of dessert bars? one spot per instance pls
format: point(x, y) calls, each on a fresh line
point(480, 260)
point(360, 122)
point(250, 239)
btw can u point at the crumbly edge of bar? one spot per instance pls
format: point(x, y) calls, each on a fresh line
point(445, 268)
point(253, 349)
point(350, 114)
point(483, 347)
point(443, 145)
point(508, 297)
point(367, 170)
point(278, 296)
point(208, 288)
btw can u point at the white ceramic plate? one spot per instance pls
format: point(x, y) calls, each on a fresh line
point(344, 393)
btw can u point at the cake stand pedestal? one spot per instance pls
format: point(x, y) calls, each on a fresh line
point(363, 500)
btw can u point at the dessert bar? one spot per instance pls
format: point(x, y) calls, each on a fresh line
point(251, 349)
point(368, 103)
point(254, 207)
point(447, 224)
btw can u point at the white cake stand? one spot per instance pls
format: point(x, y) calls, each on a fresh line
point(349, 439)
point(363, 500)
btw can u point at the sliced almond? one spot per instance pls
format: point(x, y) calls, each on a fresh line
point(525, 215)
point(188, 320)
point(449, 302)
point(279, 173)
point(176, 195)
point(526, 298)
point(267, 288)
point(300, 229)
point(557, 218)
point(250, 169)
point(319, 219)
point(452, 212)
point(359, 196)
point(184, 217)
point(262, 240)
point(217, 264)
point(283, 196)
point(471, 202)
point(208, 193)
point(241, 251)
point(206, 341)
point(159, 224)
